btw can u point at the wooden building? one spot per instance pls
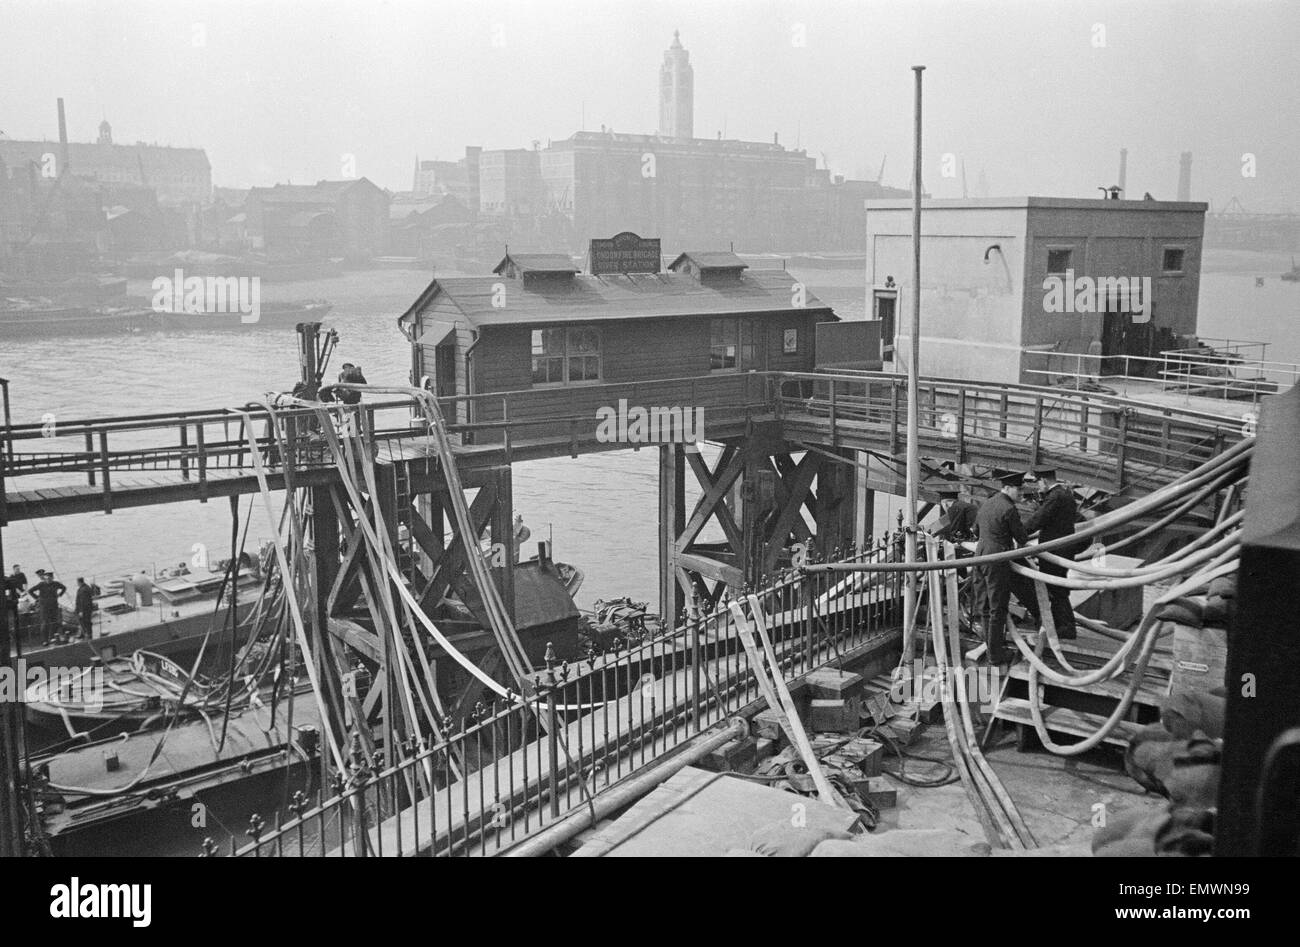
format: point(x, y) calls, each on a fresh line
point(541, 325)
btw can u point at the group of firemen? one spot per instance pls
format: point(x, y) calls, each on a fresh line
point(996, 526)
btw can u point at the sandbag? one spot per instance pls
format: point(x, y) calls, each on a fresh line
point(1185, 611)
point(783, 840)
point(1149, 757)
point(1186, 712)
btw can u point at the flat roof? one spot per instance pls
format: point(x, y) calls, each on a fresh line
point(1024, 203)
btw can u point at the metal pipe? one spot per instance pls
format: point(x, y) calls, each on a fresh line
point(629, 791)
point(913, 374)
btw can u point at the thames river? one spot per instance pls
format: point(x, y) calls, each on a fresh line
point(599, 510)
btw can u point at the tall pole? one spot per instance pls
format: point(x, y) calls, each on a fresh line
point(913, 379)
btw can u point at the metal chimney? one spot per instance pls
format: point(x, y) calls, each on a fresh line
point(1123, 170)
point(63, 140)
point(1185, 177)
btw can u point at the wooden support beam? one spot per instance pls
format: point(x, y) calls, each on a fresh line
point(706, 480)
point(712, 569)
point(452, 563)
point(360, 639)
point(672, 526)
point(503, 539)
point(714, 494)
point(796, 491)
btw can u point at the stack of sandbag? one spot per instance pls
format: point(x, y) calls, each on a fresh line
point(1179, 758)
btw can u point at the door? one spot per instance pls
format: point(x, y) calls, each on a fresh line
point(886, 313)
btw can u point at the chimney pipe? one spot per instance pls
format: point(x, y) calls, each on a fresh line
point(63, 140)
point(1185, 177)
point(1123, 169)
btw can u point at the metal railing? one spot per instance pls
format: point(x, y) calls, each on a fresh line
point(1084, 430)
point(1195, 372)
point(513, 767)
point(1103, 440)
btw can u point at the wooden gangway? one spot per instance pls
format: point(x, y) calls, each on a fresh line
point(1114, 444)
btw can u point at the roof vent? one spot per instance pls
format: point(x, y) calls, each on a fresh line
point(545, 265)
point(709, 266)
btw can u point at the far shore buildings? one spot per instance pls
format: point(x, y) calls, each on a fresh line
point(177, 175)
point(686, 190)
point(328, 219)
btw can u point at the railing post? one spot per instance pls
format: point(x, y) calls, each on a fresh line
point(103, 470)
point(505, 420)
point(553, 738)
point(1121, 447)
point(834, 441)
point(961, 425)
point(1038, 429)
point(695, 627)
point(90, 452)
point(202, 462)
point(1002, 428)
point(893, 419)
point(185, 446)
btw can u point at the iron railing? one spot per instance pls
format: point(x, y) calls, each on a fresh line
point(513, 767)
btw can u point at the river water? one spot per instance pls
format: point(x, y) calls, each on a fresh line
point(600, 510)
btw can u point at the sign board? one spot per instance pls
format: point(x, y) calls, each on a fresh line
point(625, 253)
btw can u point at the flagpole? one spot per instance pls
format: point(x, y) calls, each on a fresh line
point(913, 377)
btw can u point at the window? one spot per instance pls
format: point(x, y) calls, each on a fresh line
point(1172, 263)
point(566, 356)
point(733, 345)
point(1058, 260)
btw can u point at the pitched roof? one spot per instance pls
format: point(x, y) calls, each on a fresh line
point(613, 296)
point(537, 263)
point(711, 260)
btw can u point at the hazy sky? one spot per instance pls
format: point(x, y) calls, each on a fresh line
point(1038, 96)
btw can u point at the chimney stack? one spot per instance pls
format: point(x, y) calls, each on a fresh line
point(1185, 177)
point(1123, 169)
point(63, 141)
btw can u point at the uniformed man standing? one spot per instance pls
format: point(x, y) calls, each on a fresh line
point(958, 521)
point(1053, 519)
point(999, 529)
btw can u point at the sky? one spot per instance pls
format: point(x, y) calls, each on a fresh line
point(1029, 96)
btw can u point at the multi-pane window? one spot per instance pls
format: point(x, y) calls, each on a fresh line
point(565, 356)
point(733, 345)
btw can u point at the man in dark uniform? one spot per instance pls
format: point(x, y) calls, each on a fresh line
point(999, 529)
point(958, 521)
point(47, 592)
point(85, 608)
point(15, 585)
point(1053, 519)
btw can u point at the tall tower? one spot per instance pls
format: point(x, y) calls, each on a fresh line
point(105, 133)
point(677, 92)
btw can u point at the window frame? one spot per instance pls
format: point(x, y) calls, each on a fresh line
point(741, 342)
point(569, 352)
point(1060, 248)
point(1182, 260)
